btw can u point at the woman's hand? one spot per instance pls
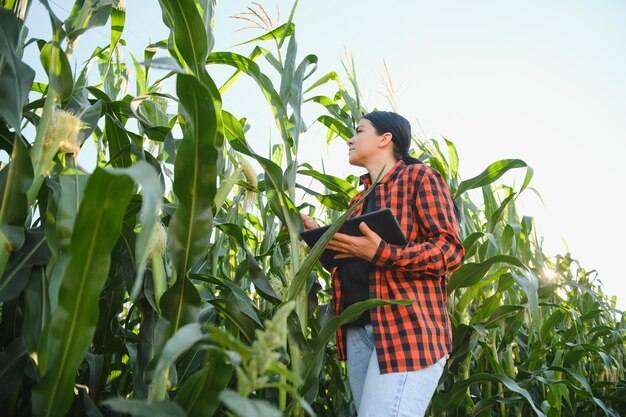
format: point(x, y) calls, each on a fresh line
point(308, 222)
point(364, 247)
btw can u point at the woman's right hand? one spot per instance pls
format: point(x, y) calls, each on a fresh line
point(308, 222)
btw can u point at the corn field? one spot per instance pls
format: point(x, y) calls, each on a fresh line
point(170, 280)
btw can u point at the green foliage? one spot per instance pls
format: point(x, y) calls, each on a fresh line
point(232, 315)
point(69, 331)
point(15, 76)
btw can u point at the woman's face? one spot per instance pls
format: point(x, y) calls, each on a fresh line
point(364, 144)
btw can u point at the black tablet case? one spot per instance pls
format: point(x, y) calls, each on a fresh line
point(383, 222)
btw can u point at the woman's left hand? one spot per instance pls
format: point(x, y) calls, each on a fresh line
point(364, 247)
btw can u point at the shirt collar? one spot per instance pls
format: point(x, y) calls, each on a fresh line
point(366, 180)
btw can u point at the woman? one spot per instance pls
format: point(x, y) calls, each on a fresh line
point(395, 354)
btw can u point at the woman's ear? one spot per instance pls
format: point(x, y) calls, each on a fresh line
point(385, 139)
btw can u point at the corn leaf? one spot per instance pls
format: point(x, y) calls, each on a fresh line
point(140, 408)
point(58, 68)
point(69, 331)
point(14, 209)
point(489, 175)
point(281, 31)
point(195, 176)
point(16, 78)
point(67, 196)
point(199, 395)
point(190, 36)
point(471, 273)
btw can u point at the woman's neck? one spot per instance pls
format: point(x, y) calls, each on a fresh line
point(374, 167)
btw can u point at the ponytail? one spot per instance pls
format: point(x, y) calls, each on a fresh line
point(409, 160)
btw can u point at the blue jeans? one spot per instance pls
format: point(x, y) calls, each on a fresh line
point(400, 394)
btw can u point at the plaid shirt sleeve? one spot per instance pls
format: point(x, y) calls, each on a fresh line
point(442, 252)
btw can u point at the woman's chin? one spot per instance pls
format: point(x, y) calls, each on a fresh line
point(353, 161)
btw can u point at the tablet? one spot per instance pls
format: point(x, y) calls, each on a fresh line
point(383, 222)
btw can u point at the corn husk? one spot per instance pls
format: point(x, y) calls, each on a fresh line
point(63, 134)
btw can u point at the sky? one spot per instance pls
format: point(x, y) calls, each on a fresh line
point(540, 81)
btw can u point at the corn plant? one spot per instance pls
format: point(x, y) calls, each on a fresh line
point(169, 279)
point(530, 333)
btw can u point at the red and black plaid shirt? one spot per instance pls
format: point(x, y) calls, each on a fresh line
point(415, 336)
